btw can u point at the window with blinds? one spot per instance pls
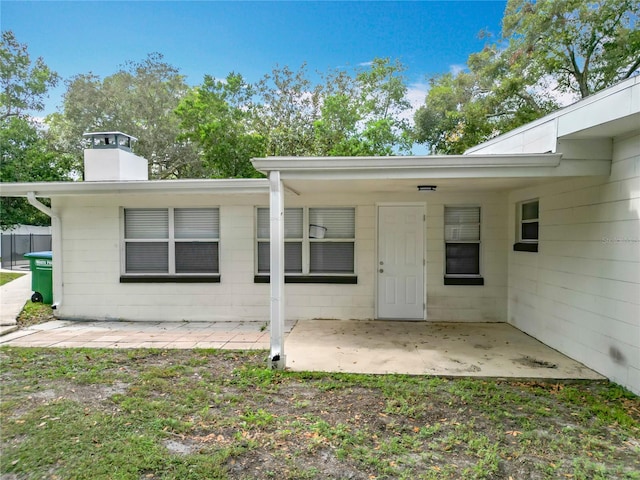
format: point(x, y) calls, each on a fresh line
point(171, 241)
point(462, 240)
point(317, 241)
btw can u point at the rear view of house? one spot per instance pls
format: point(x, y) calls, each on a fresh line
point(539, 228)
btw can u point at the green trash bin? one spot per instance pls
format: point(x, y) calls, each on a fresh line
point(41, 276)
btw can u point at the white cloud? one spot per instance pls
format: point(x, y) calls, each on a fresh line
point(416, 93)
point(365, 64)
point(456, 69)
point(547, 86)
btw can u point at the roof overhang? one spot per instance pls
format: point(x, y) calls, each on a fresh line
point(404, 173)
point(210, 187)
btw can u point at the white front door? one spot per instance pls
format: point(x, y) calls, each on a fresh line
point(400, 266)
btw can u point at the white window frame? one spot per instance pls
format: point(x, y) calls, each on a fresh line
point(458, 241)
point(306, 240)
point(522, 221)
point(171, 242)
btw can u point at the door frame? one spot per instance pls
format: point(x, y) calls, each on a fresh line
point(423, 205)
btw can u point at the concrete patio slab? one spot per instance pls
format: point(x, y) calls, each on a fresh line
point(449, 349)
point(379, 347)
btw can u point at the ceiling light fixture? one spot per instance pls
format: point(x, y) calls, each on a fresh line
point(427, 188)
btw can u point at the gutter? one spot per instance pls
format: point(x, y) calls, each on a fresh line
point(56, 227)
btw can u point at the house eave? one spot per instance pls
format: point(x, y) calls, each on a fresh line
point(192, 186)
point(423, 167)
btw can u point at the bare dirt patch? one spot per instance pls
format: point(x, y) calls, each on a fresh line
point(224, 415)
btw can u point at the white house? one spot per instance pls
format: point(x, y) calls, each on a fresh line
point(539, 228)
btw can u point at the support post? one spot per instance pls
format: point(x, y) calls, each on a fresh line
point(277, 359)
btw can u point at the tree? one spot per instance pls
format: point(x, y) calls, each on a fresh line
point(215, 116)
point(585, 46)
point(550, 51)
point(286, 107)
point(24, 156)
point(345, 113)
point(139, 100)
point(23, 83)
point(363, 115)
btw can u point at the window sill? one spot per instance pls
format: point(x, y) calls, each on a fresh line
point(170, 279)
point(525, 247)
point(463, 280)
point(331, 279)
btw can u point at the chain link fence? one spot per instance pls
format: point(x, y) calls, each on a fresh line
point(13, 246)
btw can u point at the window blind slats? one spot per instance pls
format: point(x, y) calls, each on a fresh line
point(292, 223)
point(331, 257)
point(188, 223)
point(146, 223)
point(339, 222)
point(197, 257)
point(461, 215)
point(197, 223)
point(292, 257)
point(147, 257)
point(462, 224)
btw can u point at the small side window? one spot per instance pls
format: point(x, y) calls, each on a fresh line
point(462, 246)
point(528, 226)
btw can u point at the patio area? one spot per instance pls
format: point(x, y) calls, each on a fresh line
point(424, 348)
point(378, 347)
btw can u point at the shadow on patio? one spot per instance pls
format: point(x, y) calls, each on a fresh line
point(449, 349)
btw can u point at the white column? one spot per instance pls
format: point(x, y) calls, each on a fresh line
point(276, 218)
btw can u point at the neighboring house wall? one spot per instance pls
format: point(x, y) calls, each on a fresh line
point(580, 293)
point(92, 262)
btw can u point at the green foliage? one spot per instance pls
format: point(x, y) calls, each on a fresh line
point(139, 100)
point(215, 117)
point(23, 83)
point(550, 52)
point(24, 156)
point(584, 46)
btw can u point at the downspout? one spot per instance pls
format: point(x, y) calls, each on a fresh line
point(56, 239)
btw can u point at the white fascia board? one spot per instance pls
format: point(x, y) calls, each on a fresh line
point(386, 166)
point(194, 186)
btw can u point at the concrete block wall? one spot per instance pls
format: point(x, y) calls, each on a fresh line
point(92, 263)
point(580, 293)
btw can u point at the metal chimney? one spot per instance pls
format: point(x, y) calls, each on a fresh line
point(109, 158)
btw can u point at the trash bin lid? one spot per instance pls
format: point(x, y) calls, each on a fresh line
point(38, 255)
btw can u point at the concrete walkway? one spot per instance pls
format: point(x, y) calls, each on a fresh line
point(107, 334)
point(13, 296)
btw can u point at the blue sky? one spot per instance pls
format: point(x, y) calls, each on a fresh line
point(216, 37)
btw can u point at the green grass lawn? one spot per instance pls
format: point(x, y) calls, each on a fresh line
point(6, 277)
point(205, 414)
